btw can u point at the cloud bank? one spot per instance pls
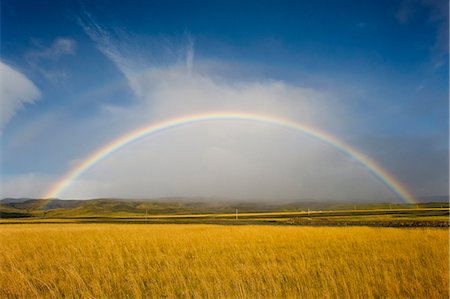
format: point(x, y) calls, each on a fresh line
point(165, 77)
point(16, 90)
point(232, 159)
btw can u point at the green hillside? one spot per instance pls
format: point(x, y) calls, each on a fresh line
point(179, 210)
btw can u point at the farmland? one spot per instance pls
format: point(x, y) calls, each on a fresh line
point(204, 212)
point(218, 261)
point(112, 248)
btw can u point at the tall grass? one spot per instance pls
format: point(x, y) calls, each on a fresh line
point(206, 261)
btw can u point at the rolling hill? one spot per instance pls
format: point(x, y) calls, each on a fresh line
point(57, 208)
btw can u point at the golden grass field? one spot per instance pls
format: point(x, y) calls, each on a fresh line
point(212, 261)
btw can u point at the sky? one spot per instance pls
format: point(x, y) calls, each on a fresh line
point(76, 75)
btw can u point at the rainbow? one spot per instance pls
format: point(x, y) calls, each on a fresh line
point(153, 128)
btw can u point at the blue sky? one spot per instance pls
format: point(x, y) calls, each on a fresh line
point(77, 75)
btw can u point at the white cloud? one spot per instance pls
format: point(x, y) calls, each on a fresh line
point(110, 46)
point(230, 159)
point(16, 90)
point(45, 59)
point(190, 53)
point(59, 48)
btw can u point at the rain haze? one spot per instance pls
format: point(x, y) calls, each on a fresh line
point(75, 77)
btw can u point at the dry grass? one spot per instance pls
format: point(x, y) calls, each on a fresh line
point(119, 261)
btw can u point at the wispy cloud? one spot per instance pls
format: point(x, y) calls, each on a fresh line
point(59, 48)
point(16, 90)
point(45, 59)
point(113, 46)
point(438, 14)
point(189, 53)
point(125, 49)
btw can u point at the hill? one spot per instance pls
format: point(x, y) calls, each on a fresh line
point(57, 208)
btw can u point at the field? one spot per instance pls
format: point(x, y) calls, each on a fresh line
point(219, 261)
point(186, 211)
